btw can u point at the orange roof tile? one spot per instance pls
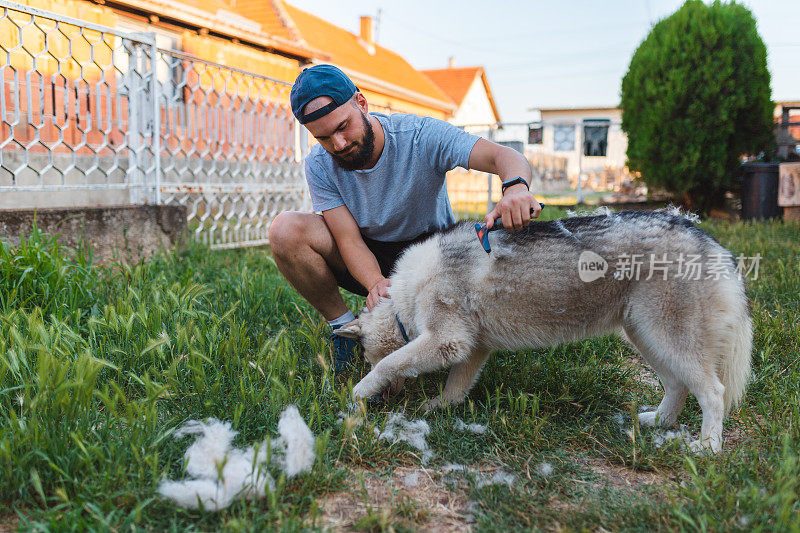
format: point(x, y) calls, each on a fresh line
point(383, 71)
point(270, 15)
point(455, 82)
point(261, 22)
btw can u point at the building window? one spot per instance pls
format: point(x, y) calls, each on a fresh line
point(595, 137)
point(563, 137)
point(519, 146)
point(535, 134)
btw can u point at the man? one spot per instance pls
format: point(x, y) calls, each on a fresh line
point(379, 182)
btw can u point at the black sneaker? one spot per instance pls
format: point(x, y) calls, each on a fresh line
point(345, 351)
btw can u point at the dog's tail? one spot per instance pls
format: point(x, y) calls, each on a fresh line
point(732, 338)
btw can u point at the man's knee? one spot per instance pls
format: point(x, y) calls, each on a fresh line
point(286, 231)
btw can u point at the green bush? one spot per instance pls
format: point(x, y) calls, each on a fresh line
point(695, 99)
point(41, 273)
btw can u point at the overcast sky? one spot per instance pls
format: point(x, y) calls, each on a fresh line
point(548, 53)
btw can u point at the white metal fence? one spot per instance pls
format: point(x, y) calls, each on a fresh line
point(232, 150)
point(89, 109)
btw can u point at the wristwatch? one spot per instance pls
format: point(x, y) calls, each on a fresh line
point(511, 182)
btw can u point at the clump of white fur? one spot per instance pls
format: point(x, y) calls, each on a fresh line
point(411, 480)
point(501, 477)
point(455, 467)
point(674, 210)
point(296, 441)
point(413, 432)
point(663, 437)
point(460, 425)
point(598, 211)
point(605, 211)
point(223, 473)
point(545, 469)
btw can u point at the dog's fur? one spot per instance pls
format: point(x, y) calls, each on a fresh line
point(458, 304)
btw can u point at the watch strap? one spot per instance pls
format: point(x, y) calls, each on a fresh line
point(513, 181)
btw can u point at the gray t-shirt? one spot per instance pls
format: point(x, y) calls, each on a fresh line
point(404, 194)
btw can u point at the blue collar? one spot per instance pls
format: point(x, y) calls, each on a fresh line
point(402, 329)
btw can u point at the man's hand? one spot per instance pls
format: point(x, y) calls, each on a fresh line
point(515, 207)
point(378, 290)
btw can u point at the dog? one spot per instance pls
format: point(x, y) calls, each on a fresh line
point(452, 304)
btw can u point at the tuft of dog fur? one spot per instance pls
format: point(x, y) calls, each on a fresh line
point(458, 304)
point(223, 473)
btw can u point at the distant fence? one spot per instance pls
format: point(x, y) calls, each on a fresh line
point(787, 133)
point(88, 110)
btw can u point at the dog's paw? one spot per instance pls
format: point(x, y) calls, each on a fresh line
point(705, 446)
point(433, 403)
point(361, 391)
point(649, 419)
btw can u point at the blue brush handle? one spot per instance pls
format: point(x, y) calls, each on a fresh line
point(498, 223)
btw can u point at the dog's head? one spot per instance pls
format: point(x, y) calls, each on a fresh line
point(376, 330)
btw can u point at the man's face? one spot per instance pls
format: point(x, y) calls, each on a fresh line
point(345, 133)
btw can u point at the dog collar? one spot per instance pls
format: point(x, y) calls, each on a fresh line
point(402, 329)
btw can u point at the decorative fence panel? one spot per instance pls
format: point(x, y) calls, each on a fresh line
point(231, 149)
point(86, 109)
point(65, 123)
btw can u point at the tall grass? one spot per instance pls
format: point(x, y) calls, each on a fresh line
point(99, 366)
point(41, 273)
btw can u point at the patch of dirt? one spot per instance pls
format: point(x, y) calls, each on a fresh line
point(738, 430)
point(8, 522)
point(411, 496)
point(643, 372)
point(622, 477)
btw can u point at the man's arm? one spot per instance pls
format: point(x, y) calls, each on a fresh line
point(517, 202)
point(357, 257)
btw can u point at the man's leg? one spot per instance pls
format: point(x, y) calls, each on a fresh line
point(306, 255)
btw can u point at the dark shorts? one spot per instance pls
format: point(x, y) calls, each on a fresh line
point(386, 253)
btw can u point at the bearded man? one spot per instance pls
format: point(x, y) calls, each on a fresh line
point(378, 182)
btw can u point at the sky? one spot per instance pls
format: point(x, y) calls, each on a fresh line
point(537, 53)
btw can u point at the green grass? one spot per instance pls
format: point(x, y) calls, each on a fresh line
point(98, 365)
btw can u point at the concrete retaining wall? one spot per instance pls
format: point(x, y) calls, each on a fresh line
point(125, 232)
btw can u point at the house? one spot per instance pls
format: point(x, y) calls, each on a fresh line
point(223, 74)
point(267, 37)
point(468, 88)
point(387, 80)
point(591, 141)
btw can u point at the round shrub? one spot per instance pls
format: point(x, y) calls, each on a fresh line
point(695, 99)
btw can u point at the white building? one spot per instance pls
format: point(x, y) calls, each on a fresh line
point(589, 138)
point(476, 112)
point(469, 89)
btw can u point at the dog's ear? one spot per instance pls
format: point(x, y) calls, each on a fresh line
point(351, 330)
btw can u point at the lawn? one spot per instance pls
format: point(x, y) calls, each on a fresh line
point(100, 365)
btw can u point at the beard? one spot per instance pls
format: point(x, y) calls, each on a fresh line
point(363, 151)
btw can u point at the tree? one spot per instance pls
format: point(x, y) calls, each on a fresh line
point(695, 99)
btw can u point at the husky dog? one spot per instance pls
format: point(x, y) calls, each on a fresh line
point(672, 290)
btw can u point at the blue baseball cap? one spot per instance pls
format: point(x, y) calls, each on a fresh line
point(316, 81)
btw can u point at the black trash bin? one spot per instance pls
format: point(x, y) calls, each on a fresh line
point(760, 191)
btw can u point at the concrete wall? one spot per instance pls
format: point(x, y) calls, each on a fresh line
point(126, 232)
